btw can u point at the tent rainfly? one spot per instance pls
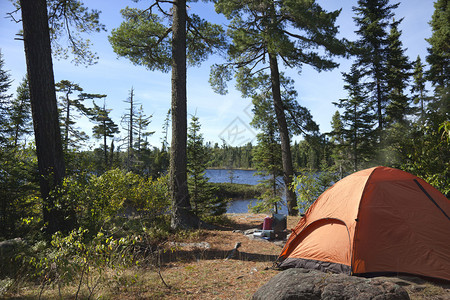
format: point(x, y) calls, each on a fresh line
point(378, 220)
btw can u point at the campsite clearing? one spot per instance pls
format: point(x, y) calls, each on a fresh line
point(202, 273)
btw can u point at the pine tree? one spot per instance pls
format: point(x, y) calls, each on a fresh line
point(267, 157)
point(165, 131)
point(141, 144)
point(357, 119)
point(70, 110)
point(49, 151)
point(5, 83)
point(372, 19)
point(38, 54)
point(105, 128)
point(128, 126)
point(161, 160)
point(170, 40)
point(426, 152)
point(439, 58)
point(20, 114)
point(201, 192)
point(338, 142)
point(135, 124)
point(418, 90)
point(265, 33)
point(398, 74)
point(141, 124)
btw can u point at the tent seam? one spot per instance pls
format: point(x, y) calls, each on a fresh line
point(430, 198)
point(352, 258)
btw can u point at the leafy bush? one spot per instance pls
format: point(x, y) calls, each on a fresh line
point(99, 199)
point(76, 257)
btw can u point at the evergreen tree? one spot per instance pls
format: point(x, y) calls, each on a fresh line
point(267, 155)
point(439, 60)
point(161, 158)
point(439, 51)
point(129, 126)
point(398, 74)
point(71, 19)
point(170, 42)
point(418, 90)
point(38, 54)
point(338, 142)
point(36, 36)
point(272, 31)
point(248, 156)
point(20, 114)
point(371, 50)
point(141, 124)
point(425, 152)
point(201, 192)
point(104, 128)
point(5, 83)
point(70, 110)
point(135, 123)
point(357, 119)
point(165, 131)
point(398, 109)
point(142, 146)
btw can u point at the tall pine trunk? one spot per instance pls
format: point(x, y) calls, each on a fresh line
point(130, 150)
point(378, 86)
point(355, 139)
point(182, 215)
point(67, 125)
point(286, 156)
point(105, 147)
point(44, 110)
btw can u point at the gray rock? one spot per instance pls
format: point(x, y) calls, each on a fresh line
point(8, 252)
point(305, 284)
point(251, 231)
point(201, 245)
point(9, 246)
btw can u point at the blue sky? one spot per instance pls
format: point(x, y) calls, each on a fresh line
point(221, 117)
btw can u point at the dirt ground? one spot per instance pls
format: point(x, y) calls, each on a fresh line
point(194, 266)
point(196, 273)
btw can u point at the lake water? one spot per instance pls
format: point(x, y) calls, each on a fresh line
point(238, 176)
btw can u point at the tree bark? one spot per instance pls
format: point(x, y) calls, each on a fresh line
point(182, 215)
point(67, 126)
point(105, 134)
point(286, 156)
point(44, 109)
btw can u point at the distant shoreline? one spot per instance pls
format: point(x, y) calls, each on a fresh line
point(235, 191)
point(226, 169)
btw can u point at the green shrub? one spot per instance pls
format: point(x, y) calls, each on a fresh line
point(78, 258)
point(99, 199)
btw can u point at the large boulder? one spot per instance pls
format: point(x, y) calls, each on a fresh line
point(305, 284)
point(8, 252)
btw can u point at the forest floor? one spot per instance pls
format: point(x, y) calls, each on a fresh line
point(189, 269)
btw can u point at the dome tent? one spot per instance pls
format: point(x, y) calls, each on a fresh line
point(378, 220)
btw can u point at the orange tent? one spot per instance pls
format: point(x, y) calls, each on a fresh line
point(378, 220)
